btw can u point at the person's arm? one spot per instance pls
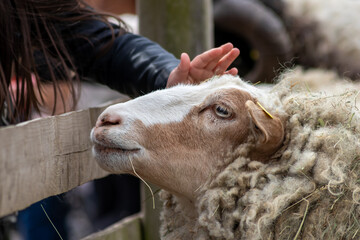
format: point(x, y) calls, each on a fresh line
point(133, 65)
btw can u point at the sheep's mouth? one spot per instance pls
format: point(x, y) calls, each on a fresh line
point(106, 149)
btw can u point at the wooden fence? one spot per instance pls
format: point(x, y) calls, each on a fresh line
point(49, 156)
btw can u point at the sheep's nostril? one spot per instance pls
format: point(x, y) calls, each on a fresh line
point(108, 120)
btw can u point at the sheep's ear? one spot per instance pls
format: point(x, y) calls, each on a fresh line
point(270, 131)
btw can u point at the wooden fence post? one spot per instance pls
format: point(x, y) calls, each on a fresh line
point(178, 26)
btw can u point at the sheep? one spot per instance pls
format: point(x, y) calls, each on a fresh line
point(310, 33)
point(237, 161)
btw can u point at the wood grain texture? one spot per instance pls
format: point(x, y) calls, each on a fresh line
point(46, 157)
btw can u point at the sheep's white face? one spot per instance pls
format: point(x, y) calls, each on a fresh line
point(176, 137)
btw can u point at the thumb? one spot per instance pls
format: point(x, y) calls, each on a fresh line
point(181, 73)
point(184, 65)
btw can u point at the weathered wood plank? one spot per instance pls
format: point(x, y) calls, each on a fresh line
point(129, 228)
point(45, 157)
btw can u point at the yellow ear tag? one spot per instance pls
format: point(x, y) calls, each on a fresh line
point(264, 110)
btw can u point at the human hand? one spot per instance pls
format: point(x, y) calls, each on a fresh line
point(212, 62)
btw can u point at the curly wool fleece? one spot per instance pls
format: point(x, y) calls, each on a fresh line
point(310, 189)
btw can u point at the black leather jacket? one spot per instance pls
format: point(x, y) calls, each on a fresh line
point(134, 65)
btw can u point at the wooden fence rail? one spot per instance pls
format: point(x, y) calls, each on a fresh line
point(46, 157)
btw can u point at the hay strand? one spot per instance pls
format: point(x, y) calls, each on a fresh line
point(51, 221)
point(303, 220)
point(152, 194)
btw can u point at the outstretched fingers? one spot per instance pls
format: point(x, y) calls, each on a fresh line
point(210, 58)
point(216, 60)
point(225, 50)
point(226, 61)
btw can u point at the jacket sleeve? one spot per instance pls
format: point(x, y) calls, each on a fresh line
point(133, 64)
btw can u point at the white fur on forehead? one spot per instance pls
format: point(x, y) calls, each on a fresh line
point(222, 82)
point(173, 104)
point(225, 81)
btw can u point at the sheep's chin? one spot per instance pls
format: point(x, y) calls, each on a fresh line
point(114, 160)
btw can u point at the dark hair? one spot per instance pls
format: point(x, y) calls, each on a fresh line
point(29, 26)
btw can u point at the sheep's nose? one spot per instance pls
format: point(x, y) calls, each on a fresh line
point(107, 119)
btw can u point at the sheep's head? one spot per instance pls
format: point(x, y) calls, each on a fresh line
point(178, 137)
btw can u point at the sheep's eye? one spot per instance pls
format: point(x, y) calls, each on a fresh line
point(222, 111)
